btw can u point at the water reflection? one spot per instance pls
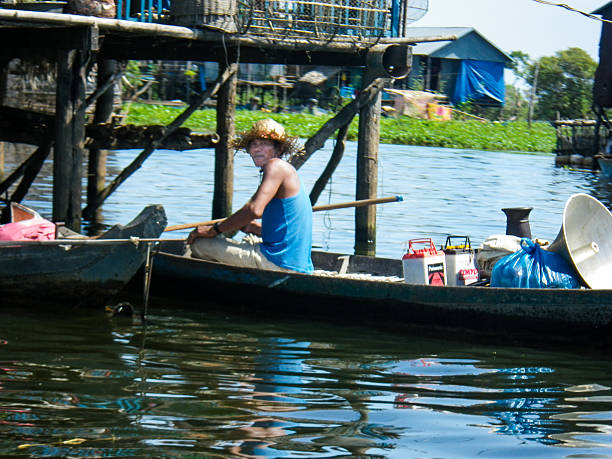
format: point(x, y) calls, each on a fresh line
point(200, 384)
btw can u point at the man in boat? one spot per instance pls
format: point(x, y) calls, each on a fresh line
point(280, 201)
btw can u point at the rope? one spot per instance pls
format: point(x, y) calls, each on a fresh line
point(567, 7)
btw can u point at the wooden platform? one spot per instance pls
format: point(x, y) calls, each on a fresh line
point(120, 39)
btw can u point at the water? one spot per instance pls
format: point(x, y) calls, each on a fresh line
point(200, 384)
point(445, 191)
point(196, 384)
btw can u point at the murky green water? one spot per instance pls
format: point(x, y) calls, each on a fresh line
point(196, 384)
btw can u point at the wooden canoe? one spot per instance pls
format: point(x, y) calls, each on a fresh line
point(56, 273)
point(369, 300)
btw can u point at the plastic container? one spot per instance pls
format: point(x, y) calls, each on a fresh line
point(460, 261)
point(423, 263)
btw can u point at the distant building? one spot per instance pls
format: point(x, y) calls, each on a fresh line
point(469, 68)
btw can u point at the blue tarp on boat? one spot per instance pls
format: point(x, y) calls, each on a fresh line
point(480, 81)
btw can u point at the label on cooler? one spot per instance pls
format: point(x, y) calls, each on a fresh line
point(468, 276)
point(435, 274)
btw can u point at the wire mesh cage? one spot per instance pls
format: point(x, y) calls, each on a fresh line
point(305, 19)
point(215, 14)
point(317, 19)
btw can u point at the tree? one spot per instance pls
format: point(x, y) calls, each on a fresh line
point(565, 85)
point(516, 104)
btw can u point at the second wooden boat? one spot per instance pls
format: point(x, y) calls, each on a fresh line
point(76, 272)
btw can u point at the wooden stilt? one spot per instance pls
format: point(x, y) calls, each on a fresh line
point(367, 173)
point(62, 157)
point(96, 176)
point(78, 139)
point(4, 67)
point(224, 154)
point(70, 104)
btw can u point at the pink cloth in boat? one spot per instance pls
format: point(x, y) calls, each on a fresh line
point(33, 229)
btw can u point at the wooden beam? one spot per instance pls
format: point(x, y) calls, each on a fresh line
point(224, 153)
point(21, 126)
point(26, 39)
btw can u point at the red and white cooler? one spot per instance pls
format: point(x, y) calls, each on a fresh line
point(423, 263)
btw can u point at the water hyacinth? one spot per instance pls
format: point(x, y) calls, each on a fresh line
point(471, 134)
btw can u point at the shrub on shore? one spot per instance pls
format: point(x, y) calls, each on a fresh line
point(472, 134)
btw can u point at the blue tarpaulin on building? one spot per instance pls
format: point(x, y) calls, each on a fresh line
point(479, 80)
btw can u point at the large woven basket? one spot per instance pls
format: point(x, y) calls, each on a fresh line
point(214, 14)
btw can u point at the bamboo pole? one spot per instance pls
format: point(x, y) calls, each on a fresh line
point(340, 205)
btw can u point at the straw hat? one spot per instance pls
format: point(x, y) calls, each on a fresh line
point(271, 130)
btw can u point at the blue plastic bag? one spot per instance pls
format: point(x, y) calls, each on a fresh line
point(533, 267)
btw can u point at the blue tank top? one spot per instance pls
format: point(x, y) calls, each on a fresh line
point(286, 230)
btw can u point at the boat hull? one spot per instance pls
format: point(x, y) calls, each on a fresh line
point(365, 301)
point(76, 276)
point(605, 164)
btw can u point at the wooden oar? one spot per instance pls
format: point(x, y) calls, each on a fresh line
point(340, 205)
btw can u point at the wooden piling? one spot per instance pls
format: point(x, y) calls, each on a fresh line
point(62, 157)
point(224, 153)
point(4, 67)
point(367, 172)
point(96, 174)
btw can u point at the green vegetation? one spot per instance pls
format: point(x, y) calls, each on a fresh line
point(494, 136)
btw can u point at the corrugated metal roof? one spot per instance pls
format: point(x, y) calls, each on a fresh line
point(479, 47)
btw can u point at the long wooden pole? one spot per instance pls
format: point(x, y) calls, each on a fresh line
point(340, 205)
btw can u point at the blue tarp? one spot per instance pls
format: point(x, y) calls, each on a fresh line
point(480, 80)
